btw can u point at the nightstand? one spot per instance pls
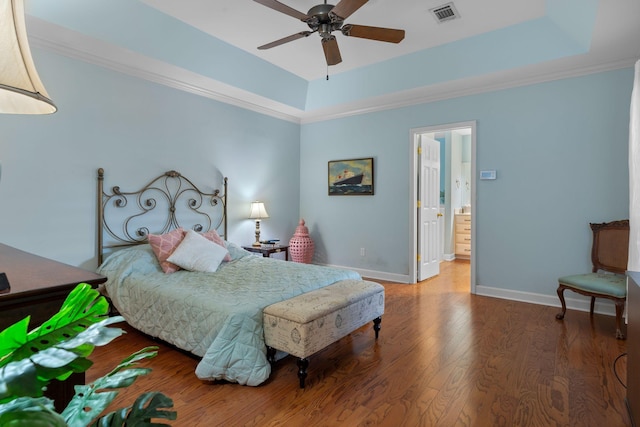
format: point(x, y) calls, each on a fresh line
point(267, 250)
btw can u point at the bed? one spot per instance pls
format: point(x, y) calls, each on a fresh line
point(215, 315)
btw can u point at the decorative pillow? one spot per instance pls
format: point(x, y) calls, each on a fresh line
point(196, 253)
point(215, 238)
point(163, 246)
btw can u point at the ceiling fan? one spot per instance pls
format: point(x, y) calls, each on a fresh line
point(326, 18)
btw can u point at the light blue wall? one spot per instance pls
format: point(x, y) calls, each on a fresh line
point(135, 130)
point(560, 151)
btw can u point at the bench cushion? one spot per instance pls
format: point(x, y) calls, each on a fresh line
point(309, 322)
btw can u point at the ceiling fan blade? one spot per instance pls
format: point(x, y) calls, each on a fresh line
point(373, 33)
point(280, 7)
point(345, 8)
point(287, 39)
point(331, 50)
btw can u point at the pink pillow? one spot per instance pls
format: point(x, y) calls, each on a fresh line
point(163, 246)
point(215, 238)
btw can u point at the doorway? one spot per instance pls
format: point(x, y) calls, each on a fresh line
point(456, 196)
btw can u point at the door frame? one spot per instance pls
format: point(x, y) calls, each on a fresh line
point(413, 170)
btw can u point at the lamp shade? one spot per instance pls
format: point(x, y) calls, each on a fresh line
point(258, 211)
point(21, 91)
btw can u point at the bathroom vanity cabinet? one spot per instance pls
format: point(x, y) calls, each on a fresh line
point(462, 230)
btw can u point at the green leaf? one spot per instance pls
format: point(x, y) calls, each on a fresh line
point(30, 412)
point(19, 379)
point(56, 349)
point(87, 406)
point(58, 361)
point(95, 334)
point(88, 402)
point(27, 403)
point(83, 308)
point(131, 360)
point(13, 337)
point(60, 347)
point(31, 419)
point(146, 408)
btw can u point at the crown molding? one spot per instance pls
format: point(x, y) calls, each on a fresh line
point(78, 46)
point(461, 88)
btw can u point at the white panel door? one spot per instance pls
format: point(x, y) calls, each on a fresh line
point(429, 210)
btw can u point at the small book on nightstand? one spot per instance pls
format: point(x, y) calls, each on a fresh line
point(271, 242)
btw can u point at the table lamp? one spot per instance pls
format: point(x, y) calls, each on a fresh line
point(258, 212)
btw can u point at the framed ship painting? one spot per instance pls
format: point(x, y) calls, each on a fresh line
point(353, 177)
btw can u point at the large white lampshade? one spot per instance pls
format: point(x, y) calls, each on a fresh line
point(21, 91)
point(258, 211)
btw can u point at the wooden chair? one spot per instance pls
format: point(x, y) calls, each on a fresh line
point(609, 255)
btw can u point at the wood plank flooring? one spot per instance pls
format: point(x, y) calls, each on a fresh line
point(444, 358)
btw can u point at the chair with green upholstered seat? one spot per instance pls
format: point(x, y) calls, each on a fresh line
point(609, 255)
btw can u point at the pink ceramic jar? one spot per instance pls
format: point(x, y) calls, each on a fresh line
point(301, 246)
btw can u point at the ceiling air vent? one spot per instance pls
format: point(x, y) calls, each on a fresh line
point(444, 13)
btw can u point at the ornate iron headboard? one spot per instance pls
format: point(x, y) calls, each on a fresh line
point(168, 202)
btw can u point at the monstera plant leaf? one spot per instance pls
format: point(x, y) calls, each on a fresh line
point(146, 407)
point(18, 413)
point(60, 347)
point(88, 402)
point(56, 349)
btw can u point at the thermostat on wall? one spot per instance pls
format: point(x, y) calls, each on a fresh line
point(488, 174)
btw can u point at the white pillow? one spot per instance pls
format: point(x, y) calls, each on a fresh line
point(196, 253)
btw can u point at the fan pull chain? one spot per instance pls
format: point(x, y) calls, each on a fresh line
point(327, 72)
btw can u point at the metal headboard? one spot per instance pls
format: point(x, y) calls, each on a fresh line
point(167, 202)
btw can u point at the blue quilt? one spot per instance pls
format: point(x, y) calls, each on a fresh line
point(217, 316)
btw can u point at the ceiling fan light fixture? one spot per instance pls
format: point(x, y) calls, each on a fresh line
point(324, 30)
point(326, 18)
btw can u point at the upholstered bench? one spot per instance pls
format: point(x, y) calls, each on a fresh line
point(309, 322)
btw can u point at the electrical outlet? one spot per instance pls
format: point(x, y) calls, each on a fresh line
point(362, 252)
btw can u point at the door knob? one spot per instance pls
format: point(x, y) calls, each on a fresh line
point(439, 214)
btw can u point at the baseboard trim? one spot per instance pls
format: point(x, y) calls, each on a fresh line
point(373, 274)
point(574, 301)
point(448, 257)
point(577, 302)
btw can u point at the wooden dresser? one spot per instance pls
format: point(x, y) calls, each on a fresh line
point(462, 231)
point(633, 346)
point(38, 288)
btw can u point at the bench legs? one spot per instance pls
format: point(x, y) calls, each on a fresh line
point(303, 362)
point(271, 355)
point(376, 325)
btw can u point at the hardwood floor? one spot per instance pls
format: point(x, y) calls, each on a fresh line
point(444, 358)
